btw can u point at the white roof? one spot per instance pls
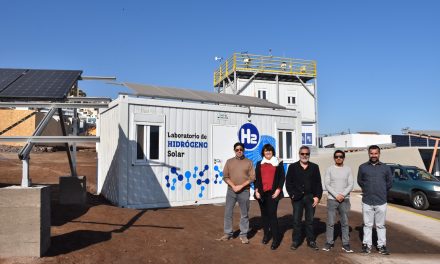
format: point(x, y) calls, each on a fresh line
point(199, 96)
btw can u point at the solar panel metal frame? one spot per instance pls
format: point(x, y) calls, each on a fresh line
point(41, 85)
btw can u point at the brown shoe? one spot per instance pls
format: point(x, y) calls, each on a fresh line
point(244, 240)
point(225, 237)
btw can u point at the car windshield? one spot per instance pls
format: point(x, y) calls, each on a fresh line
point(420, 175)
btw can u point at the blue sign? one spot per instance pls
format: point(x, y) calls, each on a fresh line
point(249, 136)
point(307, 138)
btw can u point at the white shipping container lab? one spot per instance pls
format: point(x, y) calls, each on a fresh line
point(161, 152)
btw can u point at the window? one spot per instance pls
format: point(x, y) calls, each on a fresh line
point(285, 144)
point(262, 94)
point(291, 96)
point(307, 138)
point(154, 142)
point(147, 139)
point(280, 144)
point(396, 172)
point(147, 142)
point(420, 175)
point(140, 142)
point(288, 145)
point(291, 100)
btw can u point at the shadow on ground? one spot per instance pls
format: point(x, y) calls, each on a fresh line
point(285, 224)
point(79, 239)
point(62, 214)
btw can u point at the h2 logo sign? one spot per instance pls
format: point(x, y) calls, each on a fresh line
point(249, 136)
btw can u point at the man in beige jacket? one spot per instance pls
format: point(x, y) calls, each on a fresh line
point(238, 173)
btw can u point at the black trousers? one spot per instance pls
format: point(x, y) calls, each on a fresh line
point(269, 207)
point(299, 207)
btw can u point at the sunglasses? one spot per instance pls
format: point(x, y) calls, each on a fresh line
point(304, 154)
point(338, 157)
point(238, 150)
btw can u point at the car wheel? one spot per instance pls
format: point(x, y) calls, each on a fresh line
point(419, 201)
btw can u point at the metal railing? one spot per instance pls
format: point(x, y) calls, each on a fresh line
point(264, 64)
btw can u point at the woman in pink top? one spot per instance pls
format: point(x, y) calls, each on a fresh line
point(269, 184)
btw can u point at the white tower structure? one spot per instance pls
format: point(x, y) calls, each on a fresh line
point(285, 81)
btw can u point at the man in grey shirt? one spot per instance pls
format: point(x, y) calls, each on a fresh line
point(338, 182)
point(375, 179)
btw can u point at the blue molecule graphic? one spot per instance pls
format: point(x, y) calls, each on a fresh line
point(219, 174)
point(205, 168)
point(174, 183)
point(201, 191)
point(199, 181)
point(167, 178)
point(187, 176)
point(195, 171)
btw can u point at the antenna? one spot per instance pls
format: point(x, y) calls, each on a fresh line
point(405, 130)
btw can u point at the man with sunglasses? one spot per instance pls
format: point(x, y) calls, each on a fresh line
point(238, 173)
point(303, 183)
point(338, 182)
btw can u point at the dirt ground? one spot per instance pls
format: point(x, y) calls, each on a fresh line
point(102, 233)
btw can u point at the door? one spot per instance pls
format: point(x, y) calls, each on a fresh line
point(222, 142)
point(401, 184)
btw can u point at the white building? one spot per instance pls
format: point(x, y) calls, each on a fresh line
point(360, 140)
point(167, 147)
point(284, 81)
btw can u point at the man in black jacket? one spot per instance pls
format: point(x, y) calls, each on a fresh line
point(303, 183)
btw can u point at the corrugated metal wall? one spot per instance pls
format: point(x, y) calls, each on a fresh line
point(108, 154)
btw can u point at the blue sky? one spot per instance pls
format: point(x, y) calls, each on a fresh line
point(378, 61)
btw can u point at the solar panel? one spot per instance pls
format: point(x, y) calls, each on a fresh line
point(51, 85)
point(8, 76)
